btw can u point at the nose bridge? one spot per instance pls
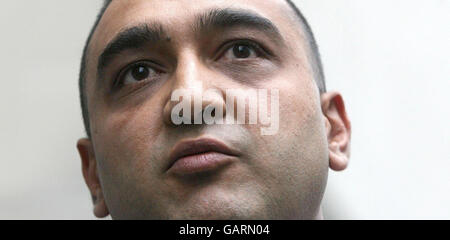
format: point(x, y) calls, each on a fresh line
point(193, 78)
point(189, 73)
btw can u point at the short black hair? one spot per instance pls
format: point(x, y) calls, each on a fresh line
point(313, 55)
point(83, 67)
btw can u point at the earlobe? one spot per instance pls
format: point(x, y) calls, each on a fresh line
point(338, 130)
point(100, 208)
point(338, 159)
point(90, 174)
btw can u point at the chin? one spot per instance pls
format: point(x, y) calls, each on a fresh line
point(217, 213)
point(220, 206)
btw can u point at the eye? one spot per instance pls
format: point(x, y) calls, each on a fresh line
point(137, 73)
point(241, 51)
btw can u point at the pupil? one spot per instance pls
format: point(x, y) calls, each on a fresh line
point(140, 73)
point(241, 51)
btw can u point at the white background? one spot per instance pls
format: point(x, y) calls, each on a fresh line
point(390, 59)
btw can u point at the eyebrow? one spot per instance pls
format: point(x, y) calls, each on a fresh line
point(151, 33)
point(130, 38)
point(228, 18)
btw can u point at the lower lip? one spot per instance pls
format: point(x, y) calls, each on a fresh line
point(199, 163)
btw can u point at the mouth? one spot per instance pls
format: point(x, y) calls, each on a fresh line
point(201, 155)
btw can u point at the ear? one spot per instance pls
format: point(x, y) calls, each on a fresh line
point(338, 130)
point(90, 174)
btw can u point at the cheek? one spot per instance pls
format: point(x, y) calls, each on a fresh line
point(301, 121)
point(126, 138)
point(298, 154)
point(128, 150)
point(299, 100)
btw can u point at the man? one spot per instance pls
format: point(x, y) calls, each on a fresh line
point(139, 164)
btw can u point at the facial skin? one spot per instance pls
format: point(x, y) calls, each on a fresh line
point(125, 161)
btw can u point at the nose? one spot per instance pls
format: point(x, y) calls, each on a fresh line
point(195, 98)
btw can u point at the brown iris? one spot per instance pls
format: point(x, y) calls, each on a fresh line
point(242, 51)
point(140, 72)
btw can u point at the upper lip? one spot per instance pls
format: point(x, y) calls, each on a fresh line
point(199, 146)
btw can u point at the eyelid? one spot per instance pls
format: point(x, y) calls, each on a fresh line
point(123, 72)
point(261, 50)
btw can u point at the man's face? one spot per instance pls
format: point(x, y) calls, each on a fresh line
point(279, 176)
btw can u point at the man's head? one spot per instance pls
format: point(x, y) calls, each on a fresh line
point(141, 51)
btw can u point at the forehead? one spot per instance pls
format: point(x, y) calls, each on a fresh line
point(173, 14)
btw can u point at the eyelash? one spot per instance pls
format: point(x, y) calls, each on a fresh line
point(118, 82)
point(260, 50)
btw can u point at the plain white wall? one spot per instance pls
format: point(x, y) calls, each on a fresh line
point(390, 59)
